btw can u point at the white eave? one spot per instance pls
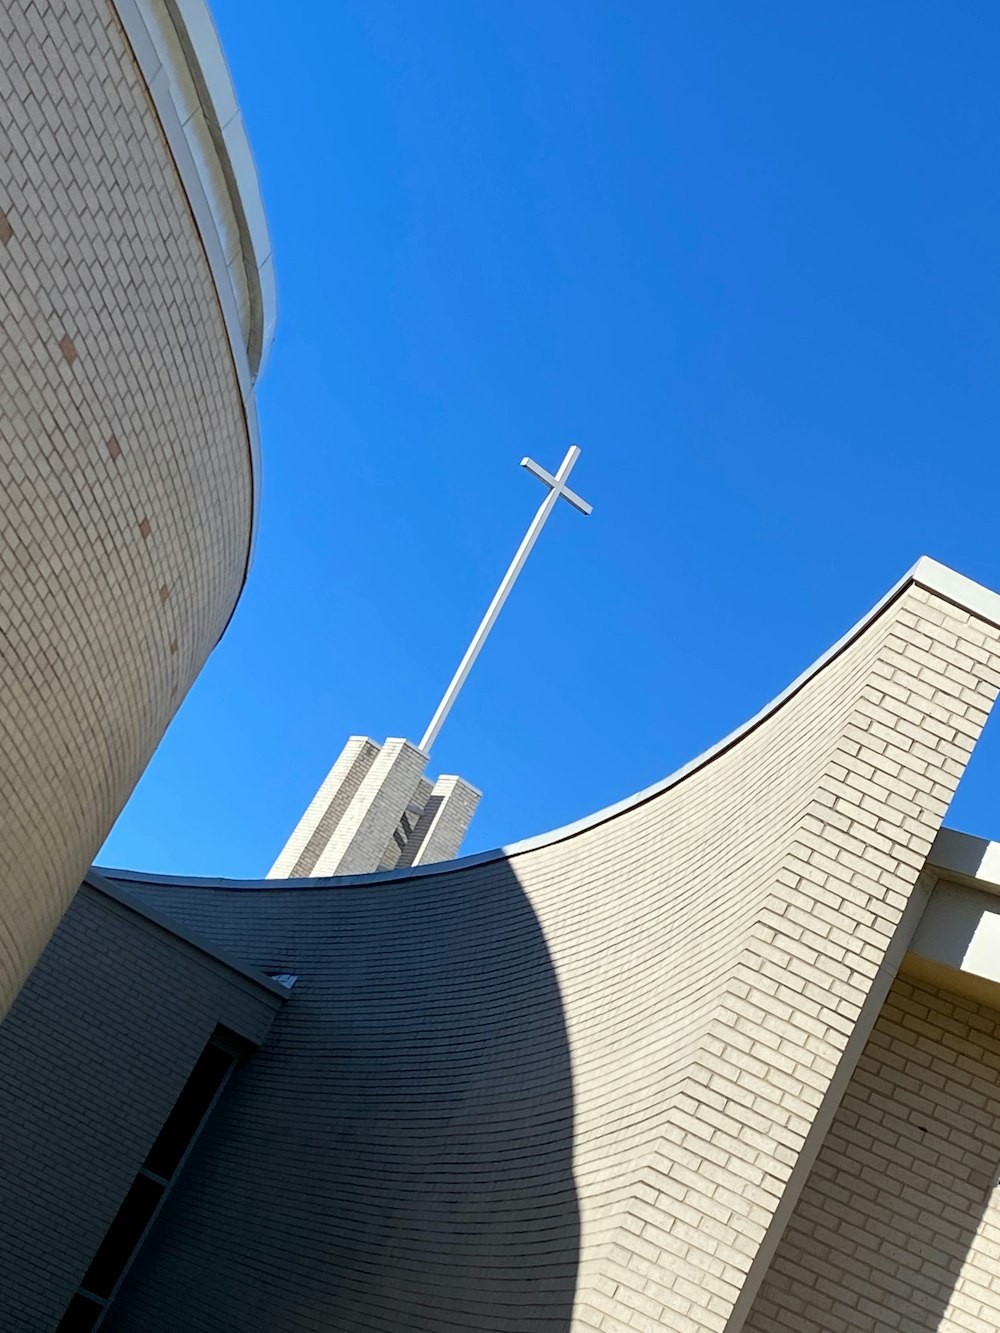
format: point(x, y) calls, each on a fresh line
point(956, 943)
point(180, 57)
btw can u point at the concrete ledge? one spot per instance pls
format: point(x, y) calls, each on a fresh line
point(957, 942)
point(960, 855)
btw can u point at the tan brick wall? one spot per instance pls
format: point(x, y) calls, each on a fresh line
point(580, 1085)
point(326, 809)
point(126, 497)
point(898, 1226)
point(716, 949)
point(444, 822)
point(365, 829)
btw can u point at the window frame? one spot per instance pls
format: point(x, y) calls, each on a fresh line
point(236, 1049)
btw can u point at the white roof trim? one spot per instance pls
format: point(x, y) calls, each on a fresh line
point(181, 60)
point(967, 857)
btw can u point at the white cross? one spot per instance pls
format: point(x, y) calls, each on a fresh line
point(558, 482)
point(557, 487)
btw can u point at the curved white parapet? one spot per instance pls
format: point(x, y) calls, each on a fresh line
point(182, 62)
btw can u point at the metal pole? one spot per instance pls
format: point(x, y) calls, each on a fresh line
point(495, 607)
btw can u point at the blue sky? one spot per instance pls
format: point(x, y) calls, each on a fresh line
point(744, 255)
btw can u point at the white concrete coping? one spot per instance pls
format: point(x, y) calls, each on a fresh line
point(960, 928)
point(181, 60)
point(926, 573)
point(956, 943)
point(967, 858)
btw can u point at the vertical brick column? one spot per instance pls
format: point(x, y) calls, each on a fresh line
point(314, 830)
point(400, 840)
point(443, 824)
point(366, 827)
point(363, 792)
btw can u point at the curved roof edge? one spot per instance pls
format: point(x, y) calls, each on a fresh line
point(179, 55)
point(926, 573)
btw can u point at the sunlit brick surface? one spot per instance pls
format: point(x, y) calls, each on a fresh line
point(126, 496)
point(898, 1226)
point(566, 1089)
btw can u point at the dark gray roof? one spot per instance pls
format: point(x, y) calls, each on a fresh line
point(399, 1153)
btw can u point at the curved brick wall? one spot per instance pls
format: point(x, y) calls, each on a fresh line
point(126, 505)
point(577, 1085)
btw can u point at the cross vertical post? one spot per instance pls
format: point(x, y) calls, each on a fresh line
point(557, 487)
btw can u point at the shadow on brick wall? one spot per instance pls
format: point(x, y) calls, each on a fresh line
point(399, 1154)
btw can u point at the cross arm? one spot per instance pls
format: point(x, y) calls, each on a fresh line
point(556, 485)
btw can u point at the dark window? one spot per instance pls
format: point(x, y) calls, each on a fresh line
point(189, 1111)
point(140, 1205)
point(124, 1233)
point(82, 1315)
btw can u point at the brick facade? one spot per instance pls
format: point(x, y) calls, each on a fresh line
point(95, 1050)
point(580, 1085)
point(793, 976)
point(327, 808)
point(365, 830)
point(375, 810)
point(124, 450)
point(898, 1226)
point(445, 816)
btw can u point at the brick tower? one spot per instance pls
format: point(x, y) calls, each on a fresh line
point(376, 811)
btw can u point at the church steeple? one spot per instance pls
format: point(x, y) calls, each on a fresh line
point(376, 810)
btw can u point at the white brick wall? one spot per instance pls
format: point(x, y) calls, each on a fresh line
point(719, 946)
point(126, 496)
point(363, 833)
point(444, 823)
point(581, 1084)
point(311, 834)
point(376, 811)
point(898, 1227)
